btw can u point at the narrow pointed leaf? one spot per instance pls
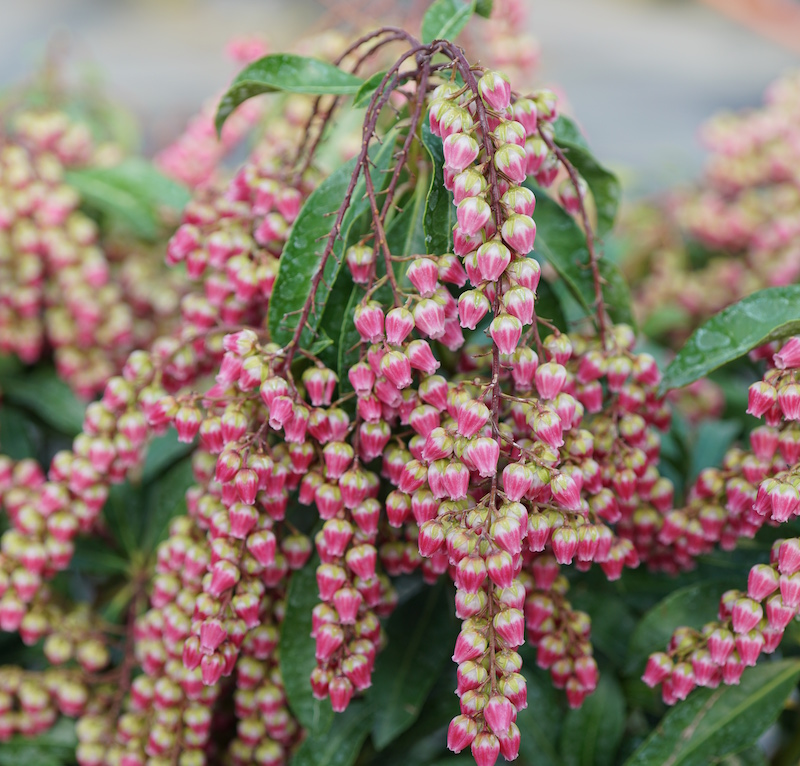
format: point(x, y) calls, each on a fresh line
point(306, 244)
point(297, 652)
point(44, 394)
point(759, 318)
point(603, 184)
point(341, 744)
point(712, 723)
point(591, 735)
point(445, 19)
point(440, 212)
point(421, 634)
point(692, 606)
point(285, 72)
point(562, 244)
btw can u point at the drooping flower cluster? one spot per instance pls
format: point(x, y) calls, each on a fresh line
point(58, 283)
point(496, 462)
point(749, 490)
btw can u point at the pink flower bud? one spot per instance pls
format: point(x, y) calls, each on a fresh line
point(461, 732)
point(473, 213)
point(469, 183)
point(495, 90)
point(789, 355)
point(761, 397)
point(510, 627)
point(492, 259)
point(460, 151)
point(431, 538)
point(519, 302)
point(485, 749)
point(749, 646)
point(423, 273)
point(472, 308)
point(499, 713)
point(789, 556)
point(511, 161)
point(429, 317)
point(470, 645)
point(519, 231)
point(761, 581)
point(368, 319)
point(745, 615)
point(550, 379)
point(340, 690)
point(500, 567)
point(506, 331)
point(360, 260)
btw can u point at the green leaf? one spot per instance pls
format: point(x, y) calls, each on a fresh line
point(591, 734)
point(163, 452)
point(15, 434)
point(445, 19)
point(712, 723)
point(753, 756)
point(759, 318)
point(691, 606)
point(421, 633)
point(297, 653)
point(341, 745)
point(484, 8)
point(48, 397)
point(364, 94)
point(440, 212)
point(130, 194)
point(712, 441)
point(94, 556)
point(405, 236)
point(604, 185)
point(285, 72)
point(165, 498)
point(123, 514)
point(55, 747)
point(303, 250)
point(540, 723)
point(562, 244)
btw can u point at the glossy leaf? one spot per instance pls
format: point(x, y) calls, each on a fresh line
point(712, 440)
point(340, 745)
point(306, 244)
point(445, 19)
point(123, 515)
point(540, 723)
point(165, 499)
point(440, 212)
point(712, 723)
point(591, 735)
point(129, 194)
point(405, 236)
point(55, 747)
point(48, 397)
point(421, 634)
point(562, 244)
point(603, 184)
point(16, 433)
point(759, 318)
point(692, 606)
point(97, 557)
point(163, 452)
point(364, 94)
point(285, 72)
point(484, 8)
point(297, 653)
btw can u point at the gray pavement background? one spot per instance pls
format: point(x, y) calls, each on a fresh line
point(640, 75)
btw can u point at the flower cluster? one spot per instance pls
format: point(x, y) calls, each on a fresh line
point(749, 490)
point(744, 213)
point(57, 286)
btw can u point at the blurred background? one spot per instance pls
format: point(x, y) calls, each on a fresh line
point(639, 76)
